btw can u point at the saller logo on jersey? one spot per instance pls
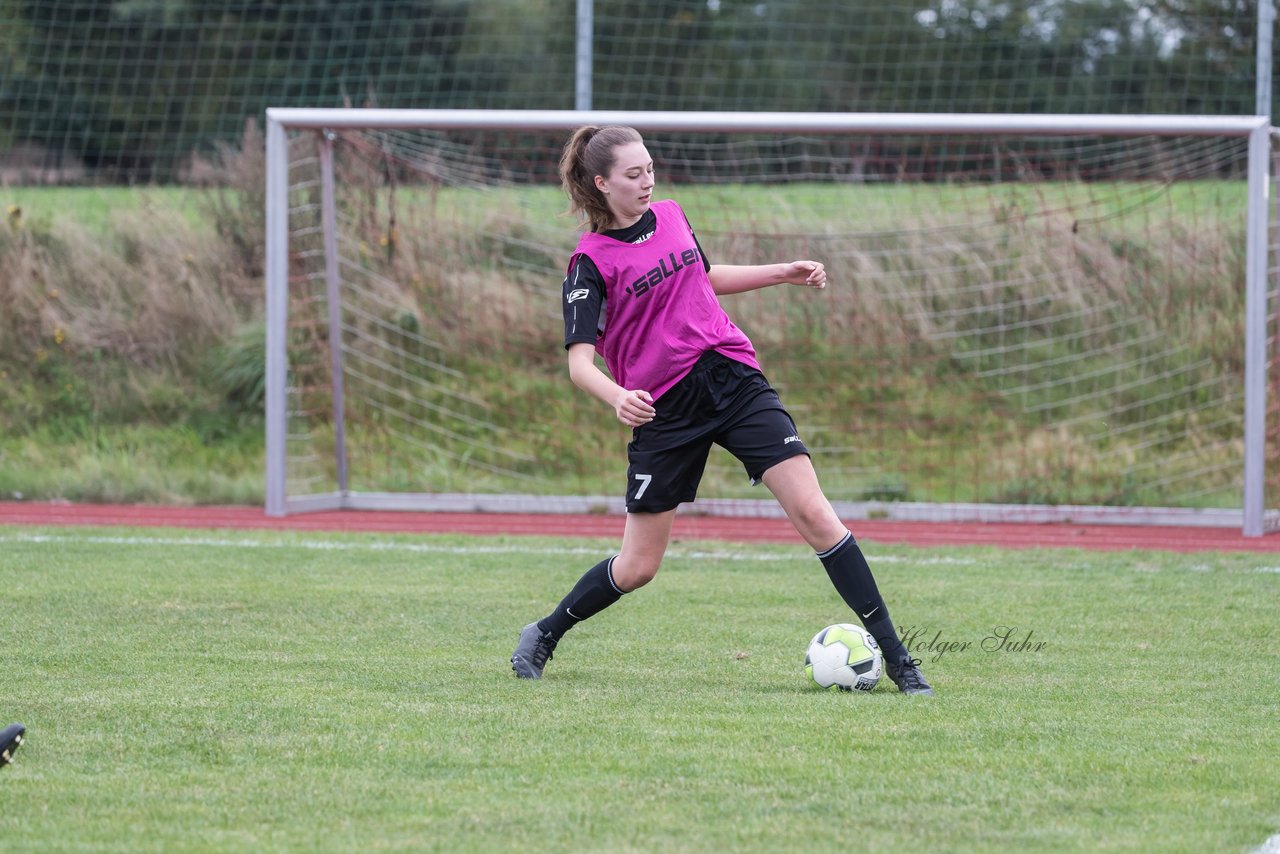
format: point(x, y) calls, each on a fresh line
point(575, 295)
point(655, 276)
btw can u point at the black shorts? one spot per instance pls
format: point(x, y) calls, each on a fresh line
point(720, 401)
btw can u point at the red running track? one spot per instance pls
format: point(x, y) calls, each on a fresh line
point(743, 530)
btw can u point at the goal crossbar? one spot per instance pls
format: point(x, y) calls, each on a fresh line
point(769, 122)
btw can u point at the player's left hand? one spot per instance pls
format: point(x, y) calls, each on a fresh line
point(809, 273)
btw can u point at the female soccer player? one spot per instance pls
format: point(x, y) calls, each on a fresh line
point(641, 292)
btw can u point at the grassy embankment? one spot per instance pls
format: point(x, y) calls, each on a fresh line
point(131, 343)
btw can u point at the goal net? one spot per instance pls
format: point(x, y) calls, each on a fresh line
point(1039, 322)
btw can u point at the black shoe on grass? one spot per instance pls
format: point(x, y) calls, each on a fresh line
point(532, 652)
point(10, 741)
point(907, 676)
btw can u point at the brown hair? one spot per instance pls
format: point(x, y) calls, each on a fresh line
point(588, 153)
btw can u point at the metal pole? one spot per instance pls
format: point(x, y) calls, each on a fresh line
point(1073, 124)
point(1257, 286)
point(277, 315)
point(1255, 332)
point(333, 296)
point(1262, 86)
point(583, 56)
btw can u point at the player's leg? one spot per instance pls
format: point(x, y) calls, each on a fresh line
point(795, 484)
point(644, 542)
point(665, 461)
point(659, 479)
point(595, 591)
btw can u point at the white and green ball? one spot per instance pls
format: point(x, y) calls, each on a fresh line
point(844, 657)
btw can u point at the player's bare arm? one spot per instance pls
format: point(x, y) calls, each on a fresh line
point(736, 279)
point(632, 406)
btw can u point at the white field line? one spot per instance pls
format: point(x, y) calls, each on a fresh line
point(1271, 846)
point(430, 548)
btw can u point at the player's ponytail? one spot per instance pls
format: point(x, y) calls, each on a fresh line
point(588, 153)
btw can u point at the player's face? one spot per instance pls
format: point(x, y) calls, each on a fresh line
point(629, 185)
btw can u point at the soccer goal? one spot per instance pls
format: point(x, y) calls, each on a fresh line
point(1029, 317)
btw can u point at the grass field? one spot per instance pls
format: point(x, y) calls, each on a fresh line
point(96, 208)
point(191, 691)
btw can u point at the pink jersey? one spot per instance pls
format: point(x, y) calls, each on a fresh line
point(661, 312)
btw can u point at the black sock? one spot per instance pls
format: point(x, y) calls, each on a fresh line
point(852, 578)
point(594, 592)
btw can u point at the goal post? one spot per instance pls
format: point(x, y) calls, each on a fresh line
point(1085, 388)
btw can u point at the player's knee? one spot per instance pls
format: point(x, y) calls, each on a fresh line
point(816, 521)
point(631, 572)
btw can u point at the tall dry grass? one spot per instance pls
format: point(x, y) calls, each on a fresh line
point(158, 319)
point(129, 320)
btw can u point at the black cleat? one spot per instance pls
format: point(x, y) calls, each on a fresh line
point(10, 741)
point(532, 652)
point(907, 676)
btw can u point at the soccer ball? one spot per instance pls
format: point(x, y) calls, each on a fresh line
point(844, 657)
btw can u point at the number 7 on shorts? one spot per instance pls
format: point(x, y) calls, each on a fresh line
point(644, 479)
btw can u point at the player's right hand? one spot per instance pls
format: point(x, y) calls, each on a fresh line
point(634, 407)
